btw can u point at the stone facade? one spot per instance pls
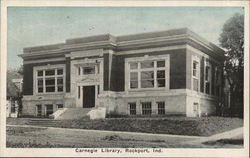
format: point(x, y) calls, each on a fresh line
point(159, 73)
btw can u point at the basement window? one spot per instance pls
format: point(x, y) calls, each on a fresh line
point(146, 108)
point(132, 108)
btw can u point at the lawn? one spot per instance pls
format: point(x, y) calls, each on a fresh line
point(178, 125)
point(35, 137)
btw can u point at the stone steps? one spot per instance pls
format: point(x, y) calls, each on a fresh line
point(74, 113)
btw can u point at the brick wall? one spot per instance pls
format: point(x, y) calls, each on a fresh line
point(28, 76)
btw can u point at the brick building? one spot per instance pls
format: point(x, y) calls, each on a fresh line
point(156, 73)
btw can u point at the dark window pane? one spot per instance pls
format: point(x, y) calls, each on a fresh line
point(161, 108)
point(40, 73)
point(147, 64)
point(49, 72)
point(39, 110)
point(147, 75)
point(59, 81)
point(133, 65)
point(146, 108)
point(59, 106)
point(59, 71)
point(49, 109)
point(133, 76)
point(147, 83)
point(60, 88)
point(207, 87)
point(195, 68)
point(40, 82)
point(161, 83)
point(161, 63)
point(133, 84)
point(195, 84)
point(50, 89)
point(40, 89)
point(50, 81)
point(207, 73)
point(161, 74)
point(89, 70)
point(132, 108)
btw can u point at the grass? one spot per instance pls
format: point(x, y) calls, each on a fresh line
point(178, 125)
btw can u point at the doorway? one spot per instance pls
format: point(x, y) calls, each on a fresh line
point(88, 96)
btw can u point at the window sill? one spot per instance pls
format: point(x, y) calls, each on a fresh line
point(147, 89)
point(49, 93)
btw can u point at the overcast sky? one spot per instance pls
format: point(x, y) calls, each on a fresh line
point(32, 26)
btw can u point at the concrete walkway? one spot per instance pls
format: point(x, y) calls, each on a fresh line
point(238, 132)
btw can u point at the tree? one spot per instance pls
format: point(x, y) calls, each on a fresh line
point(14, 93)
point(232, 39)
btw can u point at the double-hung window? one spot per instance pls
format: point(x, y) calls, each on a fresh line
point(132, 108)
point(207, 77)
point(147, 74)
point(195, 76)
point(50, 80)
point(146, 108)
point(217, 81)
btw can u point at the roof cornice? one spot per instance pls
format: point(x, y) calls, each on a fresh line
point(128, 42)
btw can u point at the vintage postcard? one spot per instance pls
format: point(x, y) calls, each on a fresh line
point(124, 78)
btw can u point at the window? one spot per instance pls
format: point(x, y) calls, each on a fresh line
point(133, 65)
point(161, 78)
point(195, 64)
point(39, 110)
point(147, 74)
point(132, 108)
point(59, 106)
point(50, 80)
point(89, 70)
point(161, 63)
point(147, 79)
point(98, 89)
point(134, 80)
point(207, 78)
point(196, 106)
point(146, 108)
point(147, 64)
point(79, 92)
point(217, 81)
point(161, 108)
point(49, 109)
point(195, 75)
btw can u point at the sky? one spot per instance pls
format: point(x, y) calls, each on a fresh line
point(33, 26)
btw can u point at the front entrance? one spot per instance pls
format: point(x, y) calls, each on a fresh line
point(49, 110)
point(88, 96)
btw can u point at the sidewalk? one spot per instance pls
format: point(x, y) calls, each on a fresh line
point(238, 132)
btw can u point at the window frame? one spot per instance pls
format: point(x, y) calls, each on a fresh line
point(161, 110)
point(134, 110)
point(207, 80)
point(43, 78)
point(148, 110)
point(195, 59)
point(139, 70)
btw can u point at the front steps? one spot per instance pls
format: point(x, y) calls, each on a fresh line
point(73, 114)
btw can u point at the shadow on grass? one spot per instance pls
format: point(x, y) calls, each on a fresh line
point(225, 141)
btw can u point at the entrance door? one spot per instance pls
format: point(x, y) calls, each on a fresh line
point(49, 109)
point(39, 110)
point(88, 96)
